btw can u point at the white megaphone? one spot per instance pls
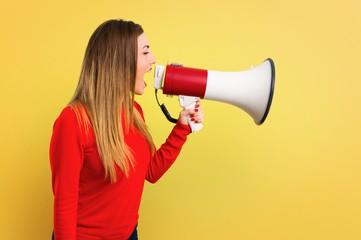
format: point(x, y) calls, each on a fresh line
point(250, 90)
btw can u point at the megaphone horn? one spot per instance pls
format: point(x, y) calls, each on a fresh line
point(251, 90)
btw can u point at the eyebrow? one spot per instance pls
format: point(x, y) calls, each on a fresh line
point(146, 46)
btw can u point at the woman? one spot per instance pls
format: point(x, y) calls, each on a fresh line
point(101, 151)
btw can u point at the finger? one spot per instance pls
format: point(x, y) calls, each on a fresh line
point(198, 104)
point(187, 112)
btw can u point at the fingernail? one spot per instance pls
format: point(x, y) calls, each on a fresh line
point(192, 119)
point(196, 110)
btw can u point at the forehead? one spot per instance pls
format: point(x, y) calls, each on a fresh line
point(142, 40)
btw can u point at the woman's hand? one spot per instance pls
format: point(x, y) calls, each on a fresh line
point(195, 114)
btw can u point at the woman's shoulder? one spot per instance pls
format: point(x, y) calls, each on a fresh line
point(66, 119)
point(72, 115)
point(67, 113)
point(72, 121)
point(74, 112)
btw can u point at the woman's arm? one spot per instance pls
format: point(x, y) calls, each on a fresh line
point(166, 155)
point(66, 159)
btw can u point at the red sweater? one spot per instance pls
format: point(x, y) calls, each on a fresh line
point(86, 206)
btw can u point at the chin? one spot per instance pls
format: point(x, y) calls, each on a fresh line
point(139, 92)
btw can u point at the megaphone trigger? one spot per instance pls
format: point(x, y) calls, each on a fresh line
point(189, 103)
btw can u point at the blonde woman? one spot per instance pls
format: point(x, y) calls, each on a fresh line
point(101, 151)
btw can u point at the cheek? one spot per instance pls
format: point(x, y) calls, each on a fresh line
point(142, 67)
point(139, 71)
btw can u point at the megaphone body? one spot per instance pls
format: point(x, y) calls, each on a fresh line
point(251, 90)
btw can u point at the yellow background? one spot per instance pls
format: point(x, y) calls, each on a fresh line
point(295, 177)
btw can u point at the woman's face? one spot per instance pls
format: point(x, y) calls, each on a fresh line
point(144, 64)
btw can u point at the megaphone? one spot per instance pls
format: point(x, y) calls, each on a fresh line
point(251, 90)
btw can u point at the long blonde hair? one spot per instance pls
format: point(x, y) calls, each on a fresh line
point(105, 93)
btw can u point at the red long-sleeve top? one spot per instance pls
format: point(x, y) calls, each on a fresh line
point(88, 206)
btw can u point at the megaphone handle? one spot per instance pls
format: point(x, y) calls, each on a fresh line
point(188, 102)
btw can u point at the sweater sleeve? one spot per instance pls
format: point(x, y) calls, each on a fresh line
point(66, 159)
point(166, 155)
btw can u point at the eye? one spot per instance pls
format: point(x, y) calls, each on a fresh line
point(145, 53)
